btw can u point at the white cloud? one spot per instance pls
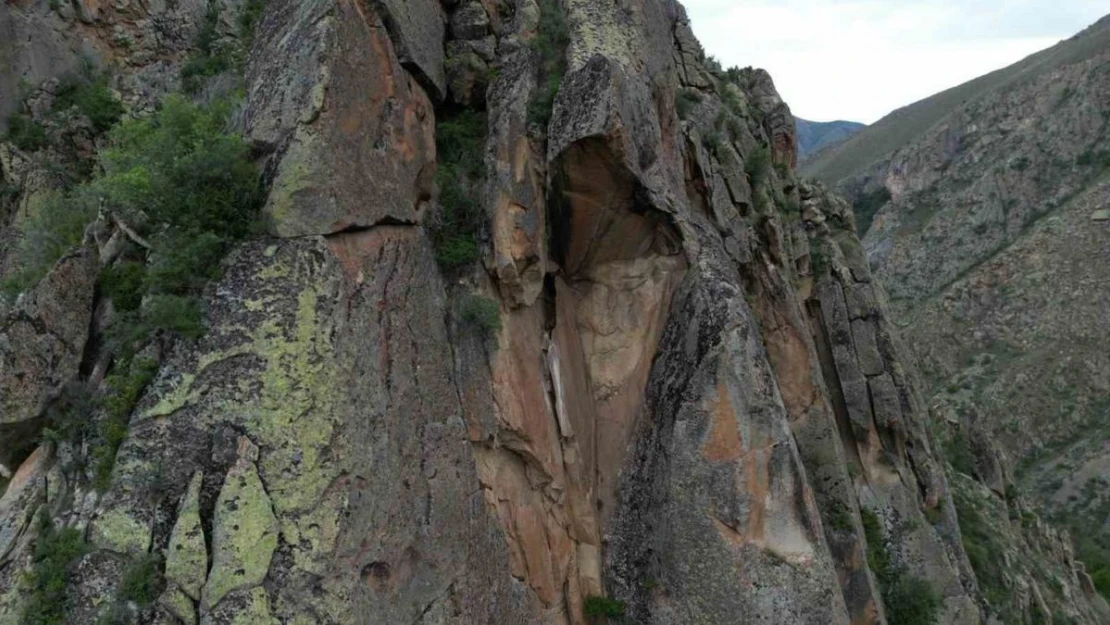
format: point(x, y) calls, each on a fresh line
point(861, 59)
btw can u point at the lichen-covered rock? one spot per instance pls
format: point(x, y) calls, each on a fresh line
point(187, 552)
point(670, 380)
point(331, 116)
point(244, 530)
point(42, 341)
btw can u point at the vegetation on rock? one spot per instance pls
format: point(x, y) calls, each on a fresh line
point(460, 140)
point(550, 47)
point(603, 606)
point(55, 552)
point(909, 600)
point(483, 313)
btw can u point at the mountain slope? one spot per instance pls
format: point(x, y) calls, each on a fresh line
point(907, 125)
point(990, 235)
point(815, 136)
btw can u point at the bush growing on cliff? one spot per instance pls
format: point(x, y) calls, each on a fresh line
point(867, 205)
point(909, 600)
point(460, 139)
point(685, 101)
point(604, 607)
point(142, 581)
point(758, 166)
point(550, 47)
point(55, 551)
point(89, 94)
point(27, 134)
point(482, 313)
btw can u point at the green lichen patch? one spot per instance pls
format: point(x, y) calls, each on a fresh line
point(244, 534)
point(119, 531)
point(187, 556)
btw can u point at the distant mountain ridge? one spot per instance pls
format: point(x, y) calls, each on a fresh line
point(815, 136)
point(908, 124)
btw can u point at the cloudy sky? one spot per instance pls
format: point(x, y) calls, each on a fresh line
point(861, 59)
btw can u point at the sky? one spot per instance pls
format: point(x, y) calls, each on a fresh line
point(860, 59)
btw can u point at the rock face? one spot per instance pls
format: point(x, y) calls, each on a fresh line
point(670, 380)
point(42, 342)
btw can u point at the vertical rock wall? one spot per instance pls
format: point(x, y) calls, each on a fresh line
point(693, 403)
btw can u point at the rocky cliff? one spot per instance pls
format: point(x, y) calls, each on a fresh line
point(989, 230)
point(537, 325)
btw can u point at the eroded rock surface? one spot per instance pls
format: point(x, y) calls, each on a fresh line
point(669, 379)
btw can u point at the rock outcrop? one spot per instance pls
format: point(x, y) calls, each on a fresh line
point(668, 388)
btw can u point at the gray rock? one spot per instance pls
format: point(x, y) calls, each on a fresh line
point(42, 341)
point(884, 398)
point(470, 21)
point(417, 30)
point(867, 349)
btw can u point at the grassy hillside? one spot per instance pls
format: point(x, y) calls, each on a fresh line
point(905, 125)
point(815, 136)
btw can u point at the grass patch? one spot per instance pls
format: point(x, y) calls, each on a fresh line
point(55, 551)
point(909, 600)
point(550, 48)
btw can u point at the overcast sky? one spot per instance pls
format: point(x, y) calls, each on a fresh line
point(860, 59)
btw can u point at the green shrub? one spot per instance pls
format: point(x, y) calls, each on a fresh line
point(142, 581)
point(27, 134)
point(124, 285)
point(603, 606)
point(957, 450)
point(91, 97)
point(983, 551)
point(714, 142)
point(460, 140)
point(1093, 158)
point(181, 171)
point(481, 313)
point(685, 101)
point(840, 518)
point(909, 600)
point(550, 46)
point(55, 551)
point(758, 166)
point(867, 205)
point(125, 389)
point(69, 417)
point(249, 19)
point(1101, 578)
